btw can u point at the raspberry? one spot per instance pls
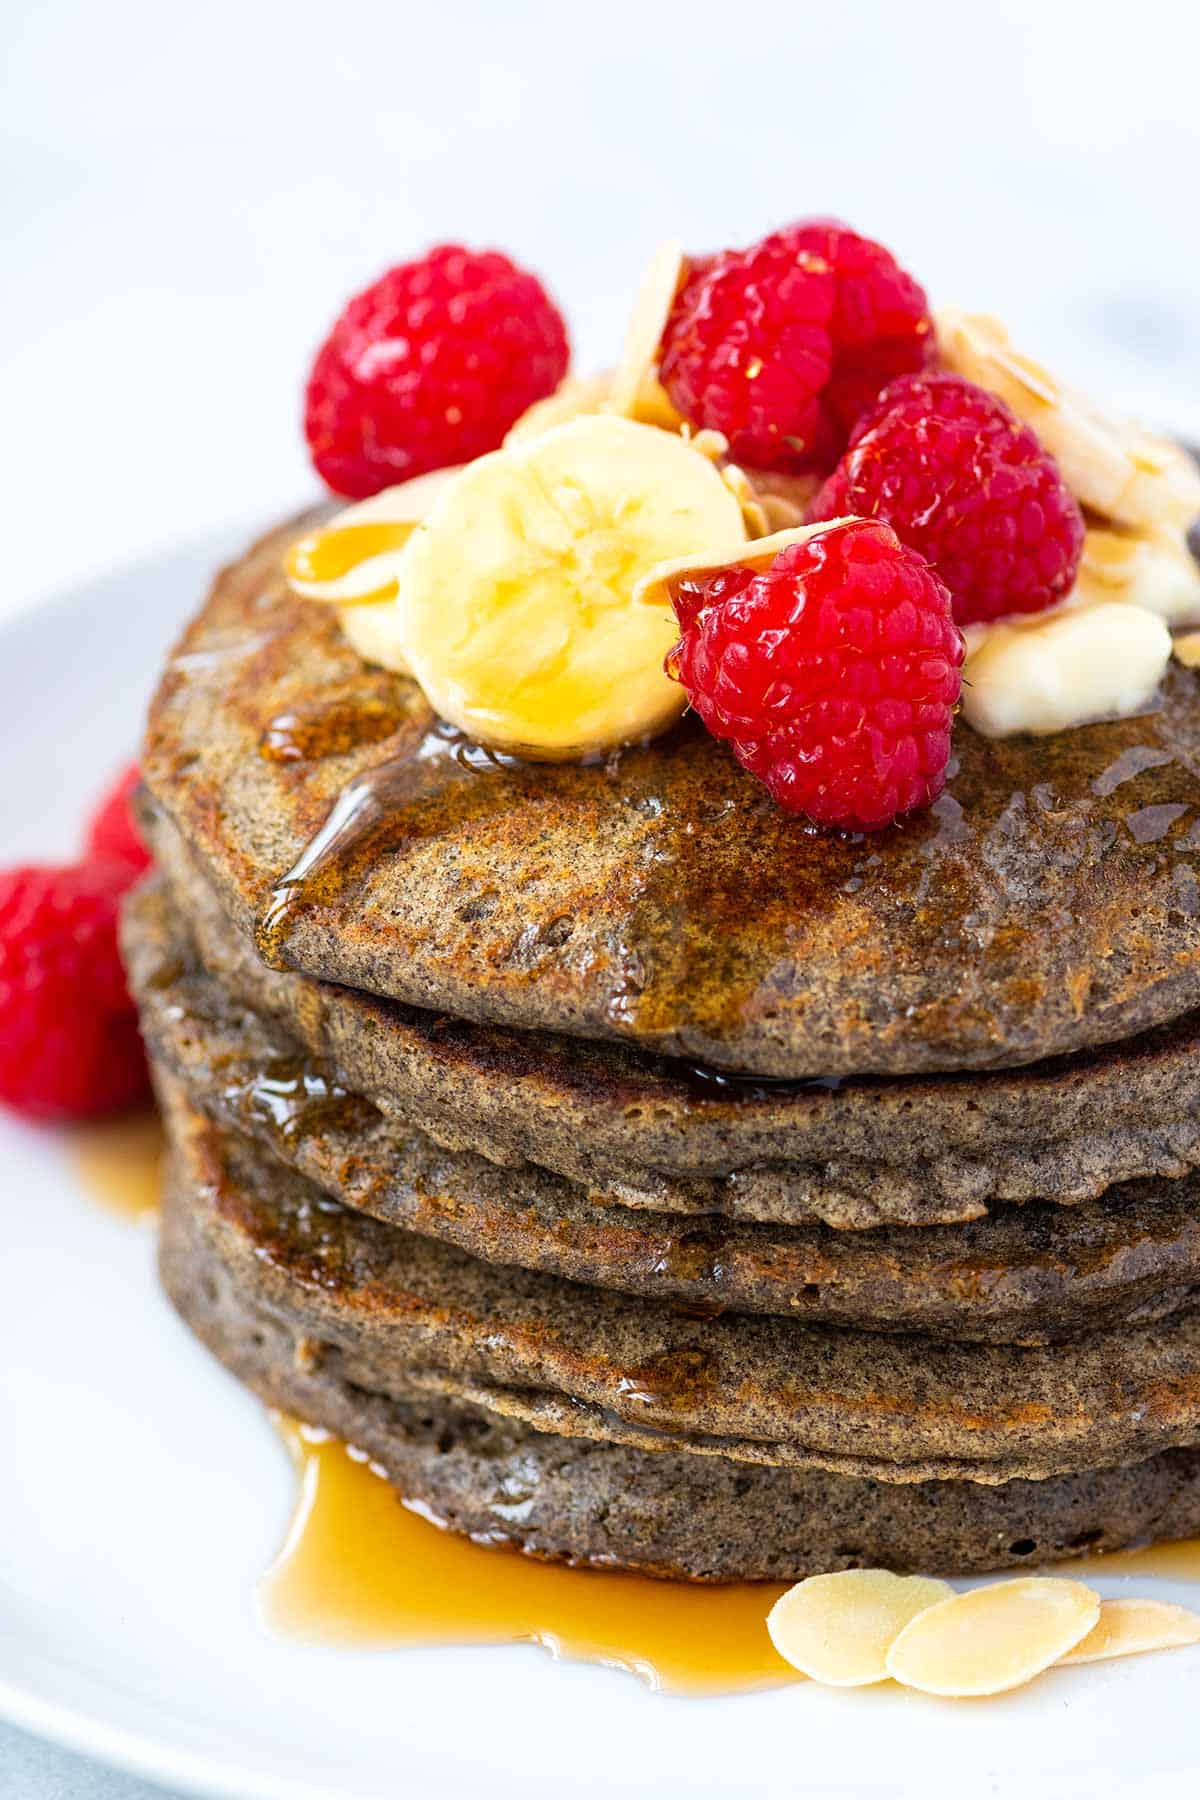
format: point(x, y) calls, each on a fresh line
point(69, 1041)
point(881, 325)
point(833, 673)
point(112, 831)
point(783, 345)
point(961, 480)
point(429, 366)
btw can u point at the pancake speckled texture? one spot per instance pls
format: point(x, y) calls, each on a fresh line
point(583, 1362)
point(1027, 1274)
point(643, 1133)
point(663, 1513)
point(1048, 903)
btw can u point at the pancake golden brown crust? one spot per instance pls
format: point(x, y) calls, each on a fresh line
point(1048, 903)
point(642, 1132)
point(663, 1513)
point(1023, 1275)
point(582, 1362)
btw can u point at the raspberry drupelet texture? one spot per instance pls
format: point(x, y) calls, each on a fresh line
point(833, 673)
point(881, 327)
point(69, 1040)
point(429, 366)
point(747, 351)
point(961, 480)
point(112, 831)
point(782, 346)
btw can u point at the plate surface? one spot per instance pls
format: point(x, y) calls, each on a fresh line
point(144, 1491)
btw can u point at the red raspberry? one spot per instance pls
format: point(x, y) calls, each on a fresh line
point(834, 673)
point(881, 326)
point(783, 345)
point(112, 831)
point(69, 1041)
point(430, 366)
point(965, 483)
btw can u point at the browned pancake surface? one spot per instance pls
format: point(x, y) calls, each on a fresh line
point(1022, 1275)
point(385, 1306)
point(1048, 903)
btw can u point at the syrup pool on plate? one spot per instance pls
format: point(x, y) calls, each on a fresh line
point(118, 1162)
point(359, 1568)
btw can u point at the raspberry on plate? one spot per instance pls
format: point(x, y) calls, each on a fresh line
point(834, 672)
point(961, 480)
point(429, 366)
point(69, 1040)
point(781, 346)
point(112, 830)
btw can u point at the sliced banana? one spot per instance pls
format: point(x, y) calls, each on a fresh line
point(576, 397)
point(355, 559)
point(1152, 569)
point(353, 563)
point(1069, 667)
point(1113, 467)
point(376, 633)
point(520, 616)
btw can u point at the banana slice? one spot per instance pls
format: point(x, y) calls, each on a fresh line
point(1068, 667)
point(353, 563)
point(575, 397)
point(355, 559)
point(582, 396)
point(1113, 467)
point(1151, 569)
point(518, 594)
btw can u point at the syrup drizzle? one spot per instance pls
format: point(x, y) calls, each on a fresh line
point(378, 807)
point(359, 1568)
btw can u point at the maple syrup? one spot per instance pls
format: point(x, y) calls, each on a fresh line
point(119, 1163)
point(359, 1568)
point(330, 554)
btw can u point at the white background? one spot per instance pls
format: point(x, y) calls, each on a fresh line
point(189, 191)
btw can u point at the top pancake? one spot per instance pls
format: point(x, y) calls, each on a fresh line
point(1048, 903)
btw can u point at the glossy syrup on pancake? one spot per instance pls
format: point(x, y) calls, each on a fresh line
point(1046, 905)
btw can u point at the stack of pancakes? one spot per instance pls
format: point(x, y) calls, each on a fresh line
point(643, 1177)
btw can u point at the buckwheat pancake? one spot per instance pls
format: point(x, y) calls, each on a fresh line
point(1048, 903)
point(642, 1132)
point(663, 1512)
point(1021, 1275)
point(585, 1362)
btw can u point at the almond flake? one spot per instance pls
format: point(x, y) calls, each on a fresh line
point(838, 1628)
point(654, 586)
point(639, 358)
point(993, 1638)
point(1131, 1627)
point(753, 511)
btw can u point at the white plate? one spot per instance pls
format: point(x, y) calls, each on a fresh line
point(143, 1492)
